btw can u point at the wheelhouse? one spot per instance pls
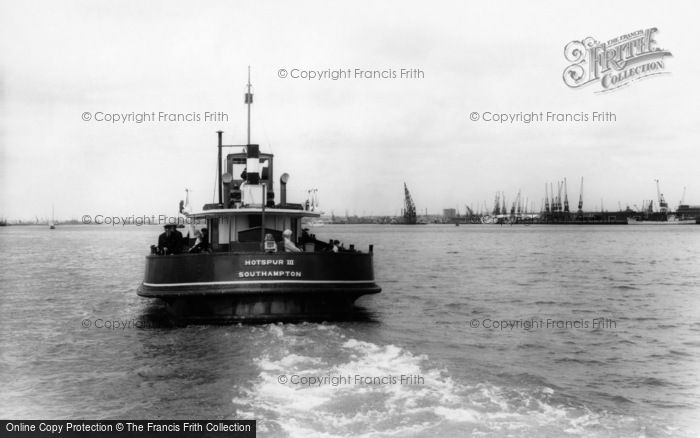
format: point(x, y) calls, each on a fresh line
point(247, 210)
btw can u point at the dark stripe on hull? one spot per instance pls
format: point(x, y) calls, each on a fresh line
point(258, 286)
point(261, 307)
point(249, 267)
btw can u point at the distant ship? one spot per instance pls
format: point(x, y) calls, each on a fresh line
point(686, 211)
point(317, 222)
point(250, 267)
point(52, 223)
point(663, 216)
point(667, 220)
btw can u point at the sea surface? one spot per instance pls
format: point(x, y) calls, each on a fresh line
point(480, 331)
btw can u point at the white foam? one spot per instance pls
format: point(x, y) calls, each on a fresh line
point(370, 410)
point(457, 414)
point(366, 409)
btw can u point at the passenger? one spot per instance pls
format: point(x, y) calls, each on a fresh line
point(270, 245)
point(205, 240)
point(170, 242)
point(164, 240)
point(335, 246)
point(305, 237)
point(179, 241)
point(202, 242)
point(197, 240)
point(289, 246)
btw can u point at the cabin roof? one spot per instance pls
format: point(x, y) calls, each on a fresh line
point(272, 211)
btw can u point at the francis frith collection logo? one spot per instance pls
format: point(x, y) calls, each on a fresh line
point(614, 63)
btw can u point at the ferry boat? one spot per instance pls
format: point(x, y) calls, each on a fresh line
point(255, 261)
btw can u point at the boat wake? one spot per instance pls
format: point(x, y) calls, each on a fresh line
point(316, 381)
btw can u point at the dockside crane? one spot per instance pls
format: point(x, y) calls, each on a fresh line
point(559, 187)
point(469, 212)
point(546, 199)
point(663, 206)
point(580, 199)
point(409, 212)
point(554, 201)
point(566, 198)
point(515, 208)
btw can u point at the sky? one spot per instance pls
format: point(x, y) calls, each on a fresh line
point(355, 140)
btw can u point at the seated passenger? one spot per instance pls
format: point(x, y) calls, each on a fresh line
point(269, 245)
point(335, 246)
point(202, 242)
point(289, 246)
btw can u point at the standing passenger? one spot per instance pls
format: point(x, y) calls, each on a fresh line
point(170, 242)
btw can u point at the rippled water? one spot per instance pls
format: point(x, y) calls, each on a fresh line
point(444, 290)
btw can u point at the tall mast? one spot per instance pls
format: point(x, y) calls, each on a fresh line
point(249, 101)
point(682, 197)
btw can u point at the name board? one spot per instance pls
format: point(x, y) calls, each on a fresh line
point(271, 268)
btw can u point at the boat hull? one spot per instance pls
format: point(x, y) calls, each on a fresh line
point(633, 221)
point(258, 286)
